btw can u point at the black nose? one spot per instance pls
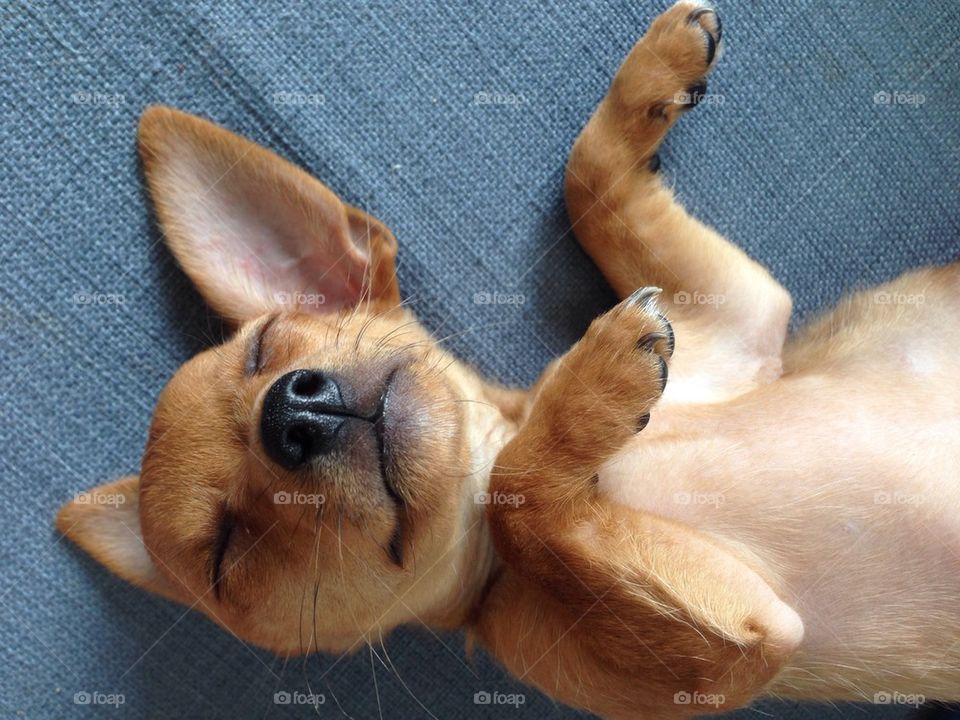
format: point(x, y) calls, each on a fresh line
point(302, 414)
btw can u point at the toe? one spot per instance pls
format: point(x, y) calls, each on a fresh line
point(709, 22)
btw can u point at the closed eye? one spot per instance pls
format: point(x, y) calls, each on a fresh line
point(220, 545)
point(255, 349)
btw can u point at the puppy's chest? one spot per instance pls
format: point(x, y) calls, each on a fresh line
point(853, 516)
point(856, 471)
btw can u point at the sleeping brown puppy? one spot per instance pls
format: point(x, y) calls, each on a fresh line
point(786, 524)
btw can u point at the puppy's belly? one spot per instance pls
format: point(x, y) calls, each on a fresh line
point(850, 498)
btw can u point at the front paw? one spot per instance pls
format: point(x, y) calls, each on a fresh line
point(665, 75)
point(674, 58)
point(629, 347)
point(602, 391)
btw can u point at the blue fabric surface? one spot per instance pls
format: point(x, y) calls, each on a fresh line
point(800, 164)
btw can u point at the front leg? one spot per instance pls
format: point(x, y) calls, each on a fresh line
point(730, 314)
point(598, 396)
point(605, 607)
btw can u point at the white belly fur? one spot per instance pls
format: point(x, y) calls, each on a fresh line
point(850, 495)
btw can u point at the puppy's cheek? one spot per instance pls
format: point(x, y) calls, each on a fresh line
point(421, 424)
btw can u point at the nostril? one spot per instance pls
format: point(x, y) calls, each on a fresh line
point(301, 417)
point(293, 441)
point(312, 389)
point(307, 384)
point(297, 444)
point(297, 437)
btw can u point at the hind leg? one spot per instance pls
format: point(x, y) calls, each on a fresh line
point(908, 324)
point(730, 315)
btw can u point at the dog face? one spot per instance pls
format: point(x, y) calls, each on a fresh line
point(309, 483)
point(282, 469)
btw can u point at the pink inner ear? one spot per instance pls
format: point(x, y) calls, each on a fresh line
point(260, 243)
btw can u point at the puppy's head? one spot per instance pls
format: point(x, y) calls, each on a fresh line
point(310, 482)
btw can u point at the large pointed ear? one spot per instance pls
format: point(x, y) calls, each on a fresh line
point(254, 232)
point(105, 522)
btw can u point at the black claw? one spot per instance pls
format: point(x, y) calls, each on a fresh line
point(648, 341)
point(642, 422)
point(654, 164)
point(711, 48)
point(695, 93)
point(643, 295)
point(671, 338)
point(663, 373)
point(697, 14)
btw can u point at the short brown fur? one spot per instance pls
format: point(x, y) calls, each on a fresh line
point(579, 573)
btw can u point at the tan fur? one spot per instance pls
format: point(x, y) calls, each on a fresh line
point(751, 540)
